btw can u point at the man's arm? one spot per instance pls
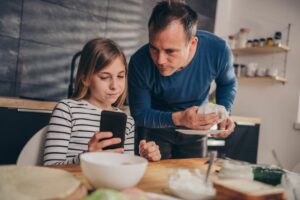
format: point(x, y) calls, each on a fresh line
point(226, 90)
point(140, 101)
point(144, 115)
point(226, 81)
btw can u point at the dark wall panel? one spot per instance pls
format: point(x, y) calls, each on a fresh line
point(10, 17)
point(8, 58)
point(7, 88)
point(95, 7)
point(124, 23)
point(43, 70)
point(59, 26)
point(39, 37)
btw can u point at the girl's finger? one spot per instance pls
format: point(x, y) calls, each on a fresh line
point(109, 142)
point(103, 135)
point(118, 150)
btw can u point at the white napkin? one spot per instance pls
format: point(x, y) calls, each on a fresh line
point(214, 108)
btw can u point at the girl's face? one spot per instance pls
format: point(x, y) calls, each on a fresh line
point(108, 84)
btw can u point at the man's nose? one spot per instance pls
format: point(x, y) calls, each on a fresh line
point(161, 59)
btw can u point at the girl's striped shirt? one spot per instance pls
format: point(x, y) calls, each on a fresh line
point(71, 127)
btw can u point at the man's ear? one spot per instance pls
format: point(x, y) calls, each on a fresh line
point(193, 43)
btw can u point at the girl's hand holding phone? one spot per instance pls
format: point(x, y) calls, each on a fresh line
point(96, 145)
point(149, 150)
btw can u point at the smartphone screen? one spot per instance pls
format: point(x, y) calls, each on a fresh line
point(114, 122)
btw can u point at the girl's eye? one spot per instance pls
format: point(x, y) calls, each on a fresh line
point(103, 77)
point(121, 76)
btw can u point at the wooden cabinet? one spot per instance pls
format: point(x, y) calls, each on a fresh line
point(17, 126)
point(242, 144)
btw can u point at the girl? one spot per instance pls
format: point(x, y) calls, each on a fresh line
point(100, 85)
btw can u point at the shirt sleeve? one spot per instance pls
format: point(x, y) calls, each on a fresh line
point(226, 80)
point(129, 136)
point(58, 137)
point(140, 101)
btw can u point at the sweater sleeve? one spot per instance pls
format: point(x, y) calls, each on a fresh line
point(226, 81)
point(58, 137)
point(140, 100)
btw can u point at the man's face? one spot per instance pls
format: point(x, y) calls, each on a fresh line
point(169, 49)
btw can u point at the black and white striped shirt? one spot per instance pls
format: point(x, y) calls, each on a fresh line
point(71, 126)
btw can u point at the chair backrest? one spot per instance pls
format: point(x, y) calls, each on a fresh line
point(32, 152)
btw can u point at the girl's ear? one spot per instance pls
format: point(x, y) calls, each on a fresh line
point(85, 82)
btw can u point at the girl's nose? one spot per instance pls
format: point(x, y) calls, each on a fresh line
point(113, 84)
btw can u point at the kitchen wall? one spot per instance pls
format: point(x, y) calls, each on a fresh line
point(274, 103)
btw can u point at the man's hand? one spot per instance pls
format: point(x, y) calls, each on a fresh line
point(191, 119)
point(228, 126)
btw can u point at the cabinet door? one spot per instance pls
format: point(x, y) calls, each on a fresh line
point(16, 128)
point(242, 144)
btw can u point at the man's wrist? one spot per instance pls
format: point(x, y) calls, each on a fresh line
point(176, 117)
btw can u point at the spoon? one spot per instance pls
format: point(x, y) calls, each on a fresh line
point(211, 155)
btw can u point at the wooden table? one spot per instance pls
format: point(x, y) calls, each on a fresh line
point(155, 178)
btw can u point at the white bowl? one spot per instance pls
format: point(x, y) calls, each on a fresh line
point(189, 184)
point(112, 170)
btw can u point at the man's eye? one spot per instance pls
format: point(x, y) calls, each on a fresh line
point(170, 51)
point(153, 49)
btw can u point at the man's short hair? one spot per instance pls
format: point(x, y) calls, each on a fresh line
point(165, 12)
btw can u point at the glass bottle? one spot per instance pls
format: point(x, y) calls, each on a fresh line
point(232, 41)
point(277, 38)
point(243, 37)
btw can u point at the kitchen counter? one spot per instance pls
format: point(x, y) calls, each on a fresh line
point(11, 102)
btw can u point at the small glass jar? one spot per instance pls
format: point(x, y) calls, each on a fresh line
point(270, 41)
point(249, 44)
point(277, 38)
point(262, 42)
point(255, 43)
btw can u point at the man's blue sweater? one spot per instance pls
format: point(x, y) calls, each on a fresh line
point(153, 98)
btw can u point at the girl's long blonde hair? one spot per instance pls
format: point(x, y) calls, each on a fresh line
point(95, 56)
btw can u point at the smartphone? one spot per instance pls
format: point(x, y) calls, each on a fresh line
point(114, 122)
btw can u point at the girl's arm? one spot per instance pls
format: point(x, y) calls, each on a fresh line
point(58, 137)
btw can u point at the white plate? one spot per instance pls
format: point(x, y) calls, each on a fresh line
point(160, 196)
point(198, 132)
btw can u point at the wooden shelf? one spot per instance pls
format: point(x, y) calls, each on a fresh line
point(276, 79)
point(260, 50)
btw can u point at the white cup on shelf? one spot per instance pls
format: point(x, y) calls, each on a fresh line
point(261, 72)
point(272, 72)
point(251, 69)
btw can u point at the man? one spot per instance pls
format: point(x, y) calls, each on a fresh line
point(171, 76)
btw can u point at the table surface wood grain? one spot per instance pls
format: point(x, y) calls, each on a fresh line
point(155, 178)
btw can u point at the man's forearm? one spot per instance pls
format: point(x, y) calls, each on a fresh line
point(176, 117)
